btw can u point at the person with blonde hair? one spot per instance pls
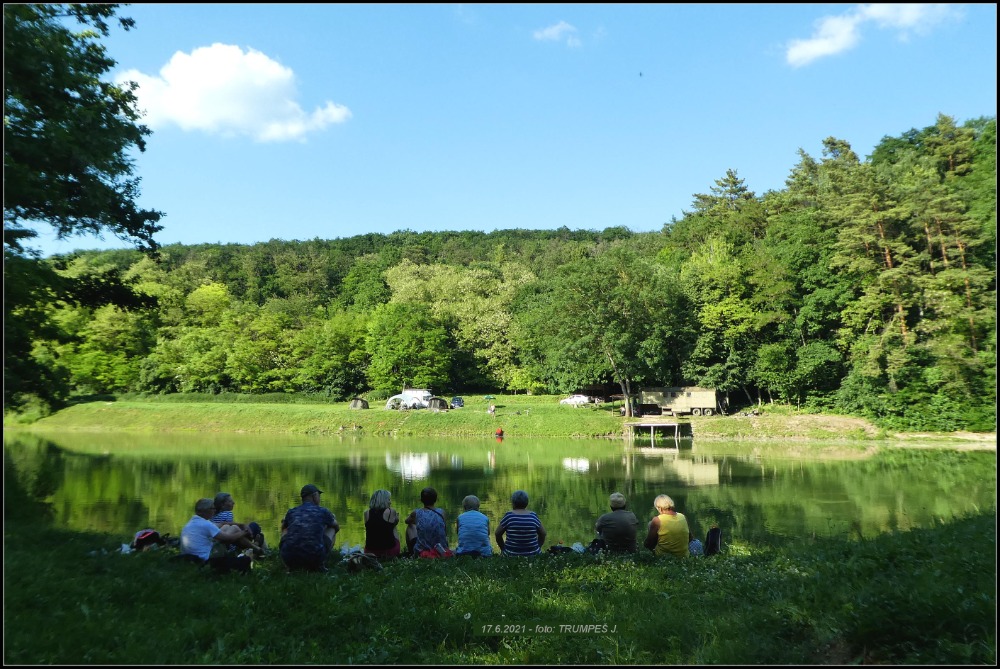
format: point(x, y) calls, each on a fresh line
point(618, 529)
point(668, 531)
point(473, 530)
point(381, 526)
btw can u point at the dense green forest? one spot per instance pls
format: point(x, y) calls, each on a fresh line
point(864, 286)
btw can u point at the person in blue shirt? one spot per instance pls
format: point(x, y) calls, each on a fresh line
point(426, 526)
point(520, 531)
point(473, 530)
point(308, 532)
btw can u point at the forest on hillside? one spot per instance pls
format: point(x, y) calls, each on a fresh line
point(865, 286)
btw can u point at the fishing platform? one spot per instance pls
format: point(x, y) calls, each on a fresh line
point(668, 427)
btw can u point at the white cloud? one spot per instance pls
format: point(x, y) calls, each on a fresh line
point(557, 33)
point(835, 34)
point(221, 89)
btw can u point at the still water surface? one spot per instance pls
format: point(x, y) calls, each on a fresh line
point(120, 483)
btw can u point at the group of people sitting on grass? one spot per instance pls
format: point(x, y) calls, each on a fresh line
point(520, 531)
point(308, 531)
point(213, 537)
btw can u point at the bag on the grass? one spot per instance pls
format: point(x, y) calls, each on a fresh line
point(239, 563)
point(356, 562)
point(436, 552)
point(713, 541)
point(146, 539)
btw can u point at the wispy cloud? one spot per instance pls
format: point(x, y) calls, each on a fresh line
point(557, 33)
point(222, 89)
point(836, 34)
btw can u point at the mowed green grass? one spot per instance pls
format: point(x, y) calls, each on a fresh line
point(534, 416)
point(921, 597)
point(517, 415)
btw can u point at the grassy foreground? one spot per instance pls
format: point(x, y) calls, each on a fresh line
point(920, 597)
point(518, 415)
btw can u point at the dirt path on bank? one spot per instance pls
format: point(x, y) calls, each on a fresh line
point(812, 426)
point(963, 441)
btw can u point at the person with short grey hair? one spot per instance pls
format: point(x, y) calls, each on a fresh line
point(200, 533)
point(473, 530)
point(520, 531)
point(619, 528)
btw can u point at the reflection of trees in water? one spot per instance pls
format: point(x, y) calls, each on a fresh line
point(755, 498)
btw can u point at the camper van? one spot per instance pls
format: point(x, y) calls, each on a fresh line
point(682, 400)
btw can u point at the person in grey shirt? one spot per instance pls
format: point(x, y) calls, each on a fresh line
point(619, 527)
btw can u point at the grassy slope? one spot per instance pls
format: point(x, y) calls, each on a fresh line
point(518, 415)
point(907, 598)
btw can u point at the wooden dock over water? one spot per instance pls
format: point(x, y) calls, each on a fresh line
point(652, 426)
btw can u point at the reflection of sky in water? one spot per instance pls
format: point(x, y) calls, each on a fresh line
point(152, 481)
point(416, 466)
point(412, 466)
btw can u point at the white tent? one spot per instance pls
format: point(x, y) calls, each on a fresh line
point(410, 398)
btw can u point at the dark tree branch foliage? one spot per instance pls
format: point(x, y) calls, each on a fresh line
point(67, 132)
point(67, 137)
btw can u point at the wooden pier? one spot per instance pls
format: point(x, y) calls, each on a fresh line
point(651, 426)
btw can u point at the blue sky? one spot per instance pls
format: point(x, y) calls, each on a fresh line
point(303, 121)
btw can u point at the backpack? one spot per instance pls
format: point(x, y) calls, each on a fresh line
point(356, 562)
point(713, 541)
point(148, 538)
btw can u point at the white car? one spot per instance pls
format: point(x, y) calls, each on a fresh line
point(576, 400)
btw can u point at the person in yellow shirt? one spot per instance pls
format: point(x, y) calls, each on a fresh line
point(668, 532)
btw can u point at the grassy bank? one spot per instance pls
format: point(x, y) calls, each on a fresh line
point(919, 597)
point(517, 415)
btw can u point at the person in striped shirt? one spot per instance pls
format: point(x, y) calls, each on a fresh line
point(520, 532)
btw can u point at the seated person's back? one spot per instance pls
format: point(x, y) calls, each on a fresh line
point(520, 531)
point(426, 526)
point(619, 527)
point(381, 534)
point(473, 530)
point(308, 532)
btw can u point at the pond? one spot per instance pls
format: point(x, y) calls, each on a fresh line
point(120, 483)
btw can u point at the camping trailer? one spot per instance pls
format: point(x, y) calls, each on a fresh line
point(682, 400)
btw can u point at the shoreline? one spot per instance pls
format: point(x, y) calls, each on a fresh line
point(518, 416)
